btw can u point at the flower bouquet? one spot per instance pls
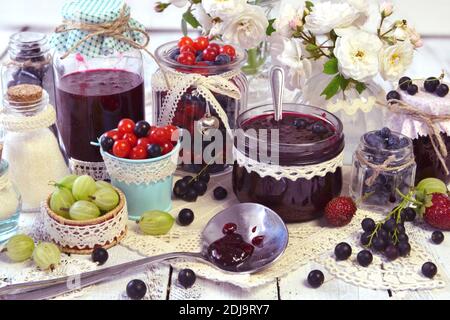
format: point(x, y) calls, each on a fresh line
point(340, 54)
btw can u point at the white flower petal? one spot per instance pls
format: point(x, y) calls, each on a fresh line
point(326, 16)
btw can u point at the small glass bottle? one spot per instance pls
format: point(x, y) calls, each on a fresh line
point(379, 174)
point(11, 203)
point(30, 62)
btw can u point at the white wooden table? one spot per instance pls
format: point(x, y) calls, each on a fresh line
point(430, 61)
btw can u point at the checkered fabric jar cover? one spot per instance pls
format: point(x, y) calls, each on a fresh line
point(94, 12)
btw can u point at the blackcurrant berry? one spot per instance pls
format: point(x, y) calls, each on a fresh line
point(343, 251)
point(391, 252)
point(431, 84)
point(404, 249)
point(187, 278)
point(185, 217)
point(180, 189)
point(220, 193)
point(378, 243)
point(410, 214)
point(412, 89)
point(142, 129)
point(200, 186)
point(442, 90)
point(404, 82)
point(393, 95)
point(364, 258)
point(368, 225)
point(437, 237)
point(316, 278)
point(365, 238)
point(204, 176)
point(390, 225)
point(429, 270)
point(154, 151)
point(100, 256)
point(136, 289)
point(191, 195)
point(107, 143)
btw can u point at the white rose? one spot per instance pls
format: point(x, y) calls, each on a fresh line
point(387, 8)
point(357, 53)
point(202, 17)
point(326, 16)
point(288, 53)
point(289, 19)
point(403, 33)
point(246, 29)
point(223, 8)
point(179, 3)
point(395, 60)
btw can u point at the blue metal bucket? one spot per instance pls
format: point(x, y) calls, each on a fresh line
point(144, 194)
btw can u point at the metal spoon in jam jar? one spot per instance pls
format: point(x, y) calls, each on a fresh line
point(277, 86)
point(242, 239)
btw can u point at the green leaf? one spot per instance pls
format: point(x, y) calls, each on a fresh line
point(309, 5)
point(331, 66)
point(189, 18)
point(311, 47)
point(333, 87)
point(360, 87)
point(343, 83)
point(270, 28)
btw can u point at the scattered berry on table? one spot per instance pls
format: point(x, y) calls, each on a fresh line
point(100, 256)
point(429, 270)
point(186, 278)
point(343, 251)
point(442, 90)
point(437, 237)
point(136, 289)
point(364, 258)
point(316, 278)
point(220, 193)
point(431, 84)
point(404, 83)
point(340, 211)
point(185, 217)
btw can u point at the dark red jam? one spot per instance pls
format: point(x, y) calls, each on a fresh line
point(428, 163)
point(89, 103)
point(304, 139)
point(231, 250)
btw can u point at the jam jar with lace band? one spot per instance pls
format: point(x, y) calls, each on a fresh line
point(198, 98)
point(292, 166)
point(99, 78)
point(380, 176)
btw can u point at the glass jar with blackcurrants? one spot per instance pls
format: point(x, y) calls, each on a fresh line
point(194, 81)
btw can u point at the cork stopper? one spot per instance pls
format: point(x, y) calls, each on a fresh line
point(24, 93)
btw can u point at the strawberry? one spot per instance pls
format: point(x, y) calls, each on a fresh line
point(340, 211)
point(437, 212)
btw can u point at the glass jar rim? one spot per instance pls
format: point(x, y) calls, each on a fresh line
point(28, 41)
point(163, 55)
point(338, 126)
point(26, 108)
point(364, 143)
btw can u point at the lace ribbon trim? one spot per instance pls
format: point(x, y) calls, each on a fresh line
point(204, 86)
point(289, 172)
point(96, 170)
point(142, 172)
point(16, 123)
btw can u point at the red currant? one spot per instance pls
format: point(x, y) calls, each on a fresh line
point(189, 49)
point(214, 46)
point(121, 149)
point(228, 50)
point(114, 134)
point(143, 142)
point(131, 138)
point(210, 54)
point(186, 58)
point(185, 41)
point(173, 132)
point(166, 148)
point(139, 153)
point(201, 43)
point(126, 126)
point(162, 136)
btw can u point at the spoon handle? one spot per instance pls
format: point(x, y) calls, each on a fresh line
point(277, 86)
point(51, 288)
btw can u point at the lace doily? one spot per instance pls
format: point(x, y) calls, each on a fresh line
point(96, 170)
point(289, 172)
point(204, 86)
point(142, 172)
point(401, 274)
point(15, 123)
point(83, 238)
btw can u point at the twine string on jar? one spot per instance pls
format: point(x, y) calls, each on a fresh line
point(115, 29)
point(430, 120)
point(379, 168)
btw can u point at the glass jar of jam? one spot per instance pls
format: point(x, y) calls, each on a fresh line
point(195, 92)
point(381, 171)
point(30, 62)
point(303, 172)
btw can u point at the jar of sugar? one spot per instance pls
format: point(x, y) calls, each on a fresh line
point(30, 144)
point(10, 200)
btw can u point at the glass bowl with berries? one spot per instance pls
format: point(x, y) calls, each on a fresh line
point(141, 160)
point(199, 84)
